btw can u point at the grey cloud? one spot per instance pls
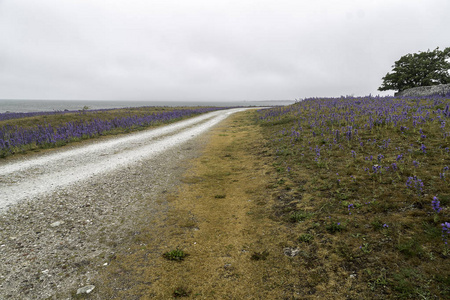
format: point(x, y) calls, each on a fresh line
point(208, 50)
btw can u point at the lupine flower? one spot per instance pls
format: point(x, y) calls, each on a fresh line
point(436, 204)
point(423, 148)
point(416, 183)
point(445, 231)
point(376, 169)
point(350, 206)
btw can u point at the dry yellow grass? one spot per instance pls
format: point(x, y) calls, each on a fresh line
point(223, 218)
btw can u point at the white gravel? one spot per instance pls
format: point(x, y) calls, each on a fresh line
point(64, 214)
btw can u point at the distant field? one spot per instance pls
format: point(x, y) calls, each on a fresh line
point(22, 132)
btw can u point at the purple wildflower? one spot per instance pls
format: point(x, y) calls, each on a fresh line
point(350, 206)
point(423, 148)
point(436, 204)
point(415, 183)
point(445, 231)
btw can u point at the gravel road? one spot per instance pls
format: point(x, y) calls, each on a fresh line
point(62, 214)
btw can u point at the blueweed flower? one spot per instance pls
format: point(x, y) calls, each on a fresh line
point(385, 225)
point(436, 204)
point(380, 157)
point(399, 157)
point(353, 153)
point(394, 166)
point(415, 163)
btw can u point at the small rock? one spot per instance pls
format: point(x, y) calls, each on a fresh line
point(57, 223)
point(291, 252)
point(85, 289)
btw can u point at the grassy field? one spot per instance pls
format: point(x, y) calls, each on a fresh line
point(327, 198)
point(364, 184)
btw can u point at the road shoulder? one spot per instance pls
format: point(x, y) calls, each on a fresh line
point(218, 218)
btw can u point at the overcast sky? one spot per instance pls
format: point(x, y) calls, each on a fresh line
point(209, 50)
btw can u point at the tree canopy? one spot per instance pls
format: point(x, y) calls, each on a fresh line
point(418, 69)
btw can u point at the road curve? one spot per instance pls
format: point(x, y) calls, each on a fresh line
point(26, 179)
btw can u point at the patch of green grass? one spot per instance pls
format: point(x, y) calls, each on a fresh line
point(306, 238)
point(175, 255)
point(299, 216)
point(181, 292)
point(334, 227)
point(410, 248)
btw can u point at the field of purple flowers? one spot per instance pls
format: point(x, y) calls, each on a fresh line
point(23, 132)
point(364, 185)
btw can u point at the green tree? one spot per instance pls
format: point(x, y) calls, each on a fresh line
point(418, 69)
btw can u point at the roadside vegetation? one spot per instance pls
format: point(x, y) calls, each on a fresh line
point(24, 132)
point(364, 185)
